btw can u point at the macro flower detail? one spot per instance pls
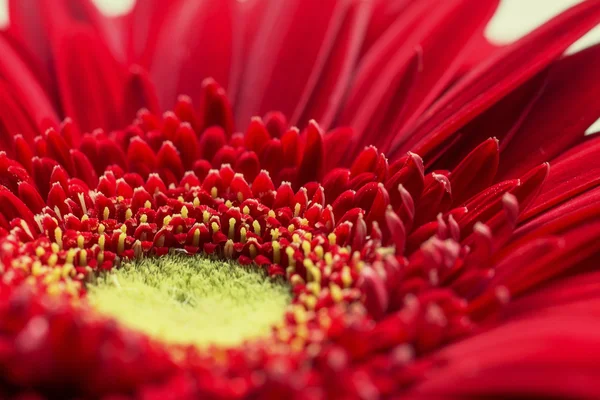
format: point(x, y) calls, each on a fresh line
point(410, 215)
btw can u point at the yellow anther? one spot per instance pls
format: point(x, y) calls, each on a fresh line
point(359, 265)
point(291, 228)
point(232, 228)
point(128, 213)
point(53, 289)
point(276, 252)
point(70, 256)
point(228, 249)
point(105, 213)
point(302, 331)
point(101, 241)
point(147, 204)
point(37, 269)
point(196, 202)
point(101, 228)
point(39, 251)
point(84, 218)
point(167, 219)
point(137, 248)
point(332, 238)
point(296, 238)
point(306, 247)
point(71, 287)
point(67, 269)
point(328, 258)
point(143, 218)
point(54, 247)
point(214, 192)
point(121, 243)
point(215, 227)
point(246, 210)
point(319, 251)
point(314, 287)
point(253, 251)
point(336, 293)
point(243, 233)
point(308, 236)
point(284, 335)
point(346, 276)
point(83, 258)
point(290, 253)
point(80, 241)
point(180, 198)
point(58, 237)
point(196, 238)
point(309, 265)
point(296, 280)
point(100, 257)
point(275, 234)
point(123, 228)
point(300, 315)
point(206, 216)
point(271, 214)
point(184, 212)
point(228, 204)
point(310, 301)
point(240, 196)
point(303, 222)
point(297, 209)
point(256, 227)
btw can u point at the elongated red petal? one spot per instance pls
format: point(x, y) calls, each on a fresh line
point(494, 79)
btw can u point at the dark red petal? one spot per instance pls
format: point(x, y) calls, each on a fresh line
point(214, 107)
point(492, 80)
point(311, 167)
point(266, 83)
point(566, 108)
point(570, 176)
point(139, 93)
point(326, 87)
point(25, 87)
point(401, 85)
point(476, 172)
point(196, 41)
point(89, 79)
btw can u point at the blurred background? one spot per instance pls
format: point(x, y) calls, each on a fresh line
point(513, 19)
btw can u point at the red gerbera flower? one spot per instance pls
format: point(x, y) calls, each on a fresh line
point(435, 234)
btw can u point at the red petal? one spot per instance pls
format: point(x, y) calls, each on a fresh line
point(89, 79)
point(494, 79)
point(401, 85)
point(196, 41)
point(266, 81)
point(139, 93)
point(559, 118)
point(476, 172)
point(573, 174)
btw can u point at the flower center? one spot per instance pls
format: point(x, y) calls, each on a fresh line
point(184, 299)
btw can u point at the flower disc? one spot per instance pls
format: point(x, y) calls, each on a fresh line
point(191, 299)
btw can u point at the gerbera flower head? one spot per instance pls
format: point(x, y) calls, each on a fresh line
point(303, 199)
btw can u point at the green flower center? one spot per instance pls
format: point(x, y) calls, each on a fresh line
point(183, 299)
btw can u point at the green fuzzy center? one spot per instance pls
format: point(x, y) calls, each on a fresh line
point(183, 299)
